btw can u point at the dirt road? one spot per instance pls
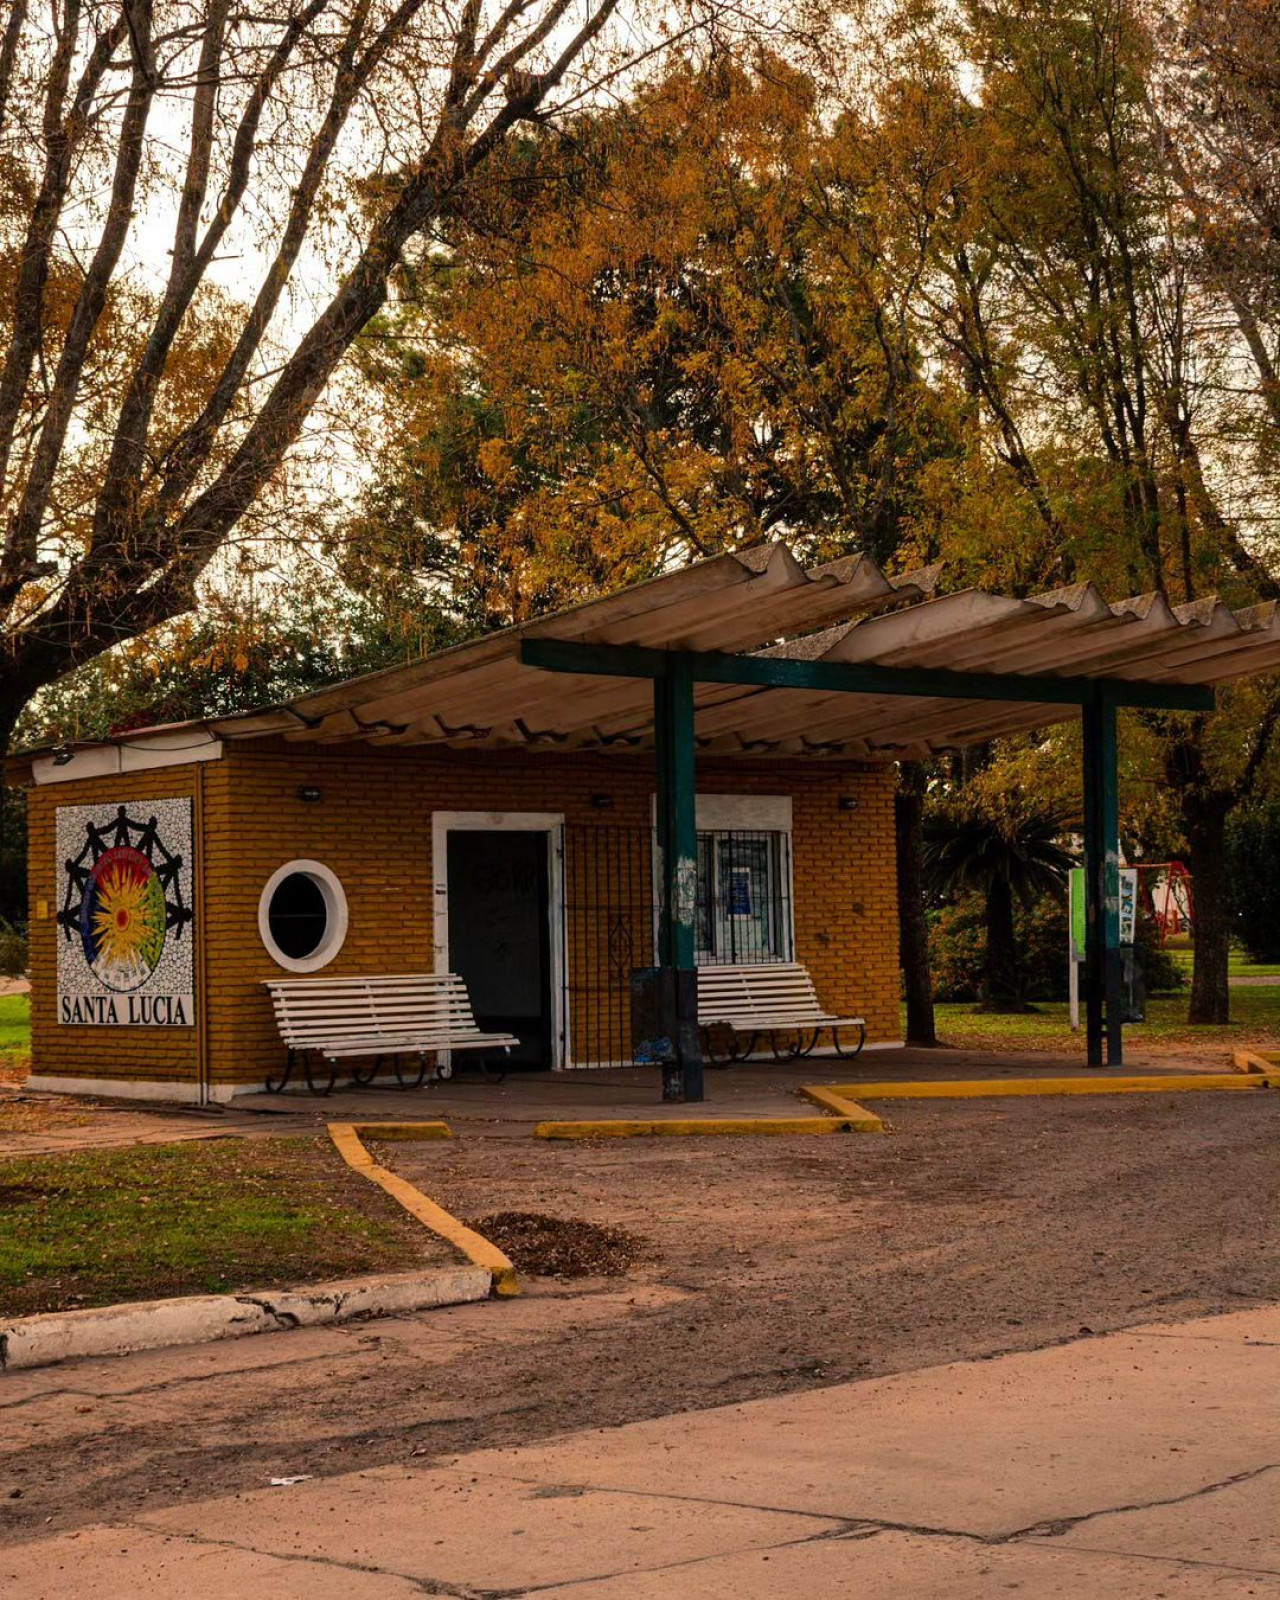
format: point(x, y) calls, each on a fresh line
point(775, 1264)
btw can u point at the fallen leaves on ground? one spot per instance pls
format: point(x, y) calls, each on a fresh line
point(555, 1247)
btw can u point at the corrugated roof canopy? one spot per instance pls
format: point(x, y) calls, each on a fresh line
point(482, 696)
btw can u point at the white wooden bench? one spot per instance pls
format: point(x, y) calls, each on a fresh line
point(769, 997)
point(418, 1014)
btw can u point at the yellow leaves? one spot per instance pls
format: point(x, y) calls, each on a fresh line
point(495, 458)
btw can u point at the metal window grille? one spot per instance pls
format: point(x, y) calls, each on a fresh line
point(744, 914)
point(744, 897)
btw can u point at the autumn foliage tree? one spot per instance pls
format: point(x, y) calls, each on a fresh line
point(676, 340)
point(998, 288)
point(1218, 100)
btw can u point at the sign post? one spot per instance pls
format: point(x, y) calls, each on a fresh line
point(1075, 941)
point(1076, 929)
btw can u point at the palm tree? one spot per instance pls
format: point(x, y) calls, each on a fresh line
point(1005, 852)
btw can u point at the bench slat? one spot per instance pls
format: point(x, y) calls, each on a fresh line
point(355, 1016)
point(762, 997)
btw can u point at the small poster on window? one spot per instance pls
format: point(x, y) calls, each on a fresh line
point(740, 892)
point(125, 923)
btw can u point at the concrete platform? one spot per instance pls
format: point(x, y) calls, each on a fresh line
point(756, 1088)
point(1141, 1464)
point(516, 1106)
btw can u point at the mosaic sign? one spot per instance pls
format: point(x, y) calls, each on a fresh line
point(125, 935)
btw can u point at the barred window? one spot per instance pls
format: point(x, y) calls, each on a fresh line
point(744, 897)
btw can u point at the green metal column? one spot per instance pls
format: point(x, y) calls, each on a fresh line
point(1102, 964)
point(677, 812)
point(678, 886)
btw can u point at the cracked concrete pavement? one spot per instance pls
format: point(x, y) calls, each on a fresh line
point(1137, 1464)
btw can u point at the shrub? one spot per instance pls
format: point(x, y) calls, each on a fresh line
point(957, 948)
point(1163, 974)
point(13, 952)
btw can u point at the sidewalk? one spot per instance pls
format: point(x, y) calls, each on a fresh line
point(1141, 1464)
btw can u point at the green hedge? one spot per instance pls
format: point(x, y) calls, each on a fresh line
point(957, 943)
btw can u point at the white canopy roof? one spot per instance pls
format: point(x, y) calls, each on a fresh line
point(480, 695)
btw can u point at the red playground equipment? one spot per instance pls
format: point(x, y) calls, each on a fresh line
point(1165, 890)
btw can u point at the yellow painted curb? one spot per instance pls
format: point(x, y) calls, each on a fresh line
point(996, 1087)
point(1254, 1061)
point(639, 1128)
point(404, 1130)
point(476, 1248)
point(839, 1105)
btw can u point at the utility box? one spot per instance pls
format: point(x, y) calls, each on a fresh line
point(1133, 983)
point(664, 1028)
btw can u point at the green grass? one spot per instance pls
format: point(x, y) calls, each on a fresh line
point(15, 1025)
point(1255, 1014)
point(1238, 964)
point(92, 1227)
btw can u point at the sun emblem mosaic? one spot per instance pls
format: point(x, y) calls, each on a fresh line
point(124, 957)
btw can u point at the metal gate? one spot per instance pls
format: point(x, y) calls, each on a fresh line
point(608, 931)
point(743, 915)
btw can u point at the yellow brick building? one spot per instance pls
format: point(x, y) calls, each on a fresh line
point(379, 822)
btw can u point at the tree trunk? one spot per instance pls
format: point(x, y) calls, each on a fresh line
point(13, 887)
point(1204, 822)
point(1003, 990)
point(913, 930)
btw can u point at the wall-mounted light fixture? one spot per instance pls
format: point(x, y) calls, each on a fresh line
point(310, 793)
point(602, 802)
point(62, 755)
point(848, 802)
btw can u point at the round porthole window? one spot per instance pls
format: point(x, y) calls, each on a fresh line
point(302, 916)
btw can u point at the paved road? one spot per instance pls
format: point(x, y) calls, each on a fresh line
point(1139, 1464)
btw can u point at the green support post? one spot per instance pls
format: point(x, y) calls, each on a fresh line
point(678, 888)
point(1102, 882)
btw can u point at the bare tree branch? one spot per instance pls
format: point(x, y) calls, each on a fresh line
point(129, 504)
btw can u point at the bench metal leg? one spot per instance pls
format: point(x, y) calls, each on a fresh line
point(311, 1077)
point(849, 1055)
point(731, 1054)
point(422, 1072)
point(365, 1077)
point(491, 1070)
point(274, 1087)
point(792, 1054)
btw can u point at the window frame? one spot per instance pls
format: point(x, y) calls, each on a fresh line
point(719, 812)
point(780, 914)
point(338, 915)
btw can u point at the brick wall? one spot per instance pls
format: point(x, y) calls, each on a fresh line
point(373, 829)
